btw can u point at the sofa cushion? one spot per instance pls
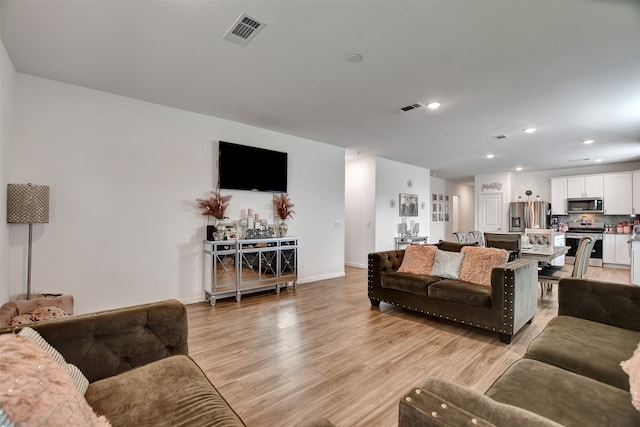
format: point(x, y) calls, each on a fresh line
point(443, 245)
point(447, 264)
point(587, 348)
point(169, 392)
point(563, 396)
point(632, 368)
point(478, 262)
point(418, 259)
point(462, 292)
point(407, 282)
point(37, 391)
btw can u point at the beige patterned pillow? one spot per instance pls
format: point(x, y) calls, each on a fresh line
point(478, 263)
point(447, 264)
point(418, 259)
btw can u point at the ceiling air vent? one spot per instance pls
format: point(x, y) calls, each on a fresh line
point(408, 108)
point(243, 30)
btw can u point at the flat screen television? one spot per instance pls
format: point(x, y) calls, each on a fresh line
point(241, 167)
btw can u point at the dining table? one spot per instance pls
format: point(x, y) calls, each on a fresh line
point(543, 253)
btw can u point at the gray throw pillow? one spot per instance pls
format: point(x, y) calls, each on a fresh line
point(447, 264)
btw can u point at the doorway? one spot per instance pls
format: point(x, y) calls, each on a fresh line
point(490, 212)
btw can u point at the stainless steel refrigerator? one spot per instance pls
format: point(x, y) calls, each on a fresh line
point(528, 215)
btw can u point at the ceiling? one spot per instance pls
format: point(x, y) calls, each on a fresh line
point(569, 68)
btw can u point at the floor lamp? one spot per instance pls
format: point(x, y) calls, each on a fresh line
point(28, 204)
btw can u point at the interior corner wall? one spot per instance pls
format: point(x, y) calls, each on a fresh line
point(124, 175)
point(7, 84)
point(466, 212)
point(360, 210)
point(393, 178)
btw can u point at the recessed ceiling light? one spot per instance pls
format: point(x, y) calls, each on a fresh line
point(354, 58)
point(490, 156)
point(597, 160)
point(587, 141)
point(529, 130)
point(433, 105)
point(519, 168)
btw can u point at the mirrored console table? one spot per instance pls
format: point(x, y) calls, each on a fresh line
point(411, 240)
point(242, 266)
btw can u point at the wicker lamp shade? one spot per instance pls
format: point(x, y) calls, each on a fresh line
point(27, 204)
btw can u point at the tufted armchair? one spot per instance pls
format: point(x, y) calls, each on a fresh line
point(477, 236)
point(461, 237)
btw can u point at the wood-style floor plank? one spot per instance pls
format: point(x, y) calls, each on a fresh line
point(321, 350)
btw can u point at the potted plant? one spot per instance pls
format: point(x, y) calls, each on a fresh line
point(283, 209)
point(214, 206)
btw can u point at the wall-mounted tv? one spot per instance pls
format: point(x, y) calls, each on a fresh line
point(241, 167)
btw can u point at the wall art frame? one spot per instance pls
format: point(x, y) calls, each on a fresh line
point(408, 204)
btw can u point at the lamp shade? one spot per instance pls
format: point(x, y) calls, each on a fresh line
point(27, 204)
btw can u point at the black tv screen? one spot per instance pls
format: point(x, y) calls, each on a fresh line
point(241, 167)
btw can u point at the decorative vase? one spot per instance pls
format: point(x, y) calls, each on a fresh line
point(282, 229)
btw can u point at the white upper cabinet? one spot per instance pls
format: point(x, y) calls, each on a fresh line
point(559, 196)
point(618, 193)
point(585, 186)
point(636, 192)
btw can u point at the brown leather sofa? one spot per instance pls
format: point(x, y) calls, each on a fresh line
point(570, 375)
point(506, 306)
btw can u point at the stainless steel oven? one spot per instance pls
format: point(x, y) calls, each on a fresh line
point(578, 230)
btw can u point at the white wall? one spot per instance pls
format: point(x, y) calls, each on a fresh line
point(441, 230)
point(124, 175)
point(391, 180)
point(360, 210)
point(467, 206)
point(7, 83)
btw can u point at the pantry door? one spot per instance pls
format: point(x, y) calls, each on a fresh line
point(490, 212)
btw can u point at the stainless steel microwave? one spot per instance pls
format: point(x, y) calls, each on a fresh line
point(585, 205)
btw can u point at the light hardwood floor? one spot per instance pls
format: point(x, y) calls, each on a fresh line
point(322, 351)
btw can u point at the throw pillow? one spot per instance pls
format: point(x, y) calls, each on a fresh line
point(447, 264)
point(81, 382)
point(418, 259)
point(37, 315)
point(37, 390)
point(478, 263)
point(47, 313)
point(21, 319)
point(632, 368)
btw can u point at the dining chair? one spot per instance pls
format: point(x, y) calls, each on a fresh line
point(477, 236)
point(549, 276)
point(461, 237)
point(509, 241)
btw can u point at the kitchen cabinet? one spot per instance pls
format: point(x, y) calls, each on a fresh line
point(636, 192)
point(559, 196)
point(622, 249)
point(585, 186)
point(616, 190)
point(608, 249)
point(615, 249)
